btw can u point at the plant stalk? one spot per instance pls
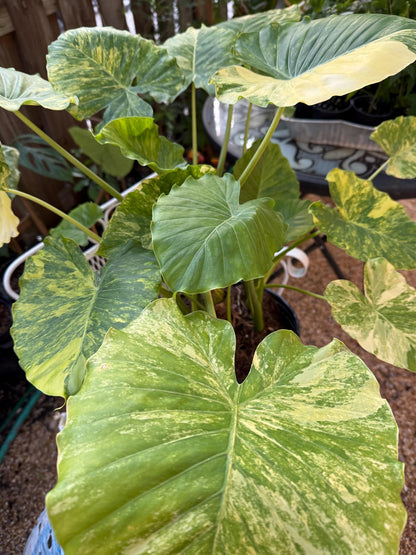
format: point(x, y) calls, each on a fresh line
point(209, 304)
point(229, 317)
point(226, 140)
point(304, 291)
point(380, 169)
point(262, 147)
point(194, 126)
point(247, 127)
point(71, 159)
point(255, 304)
point(96, 238)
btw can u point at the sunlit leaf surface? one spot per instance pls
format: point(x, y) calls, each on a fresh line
point(164, 452)
point(383, 319)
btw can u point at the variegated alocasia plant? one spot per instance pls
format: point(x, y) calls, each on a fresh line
point(163, 450)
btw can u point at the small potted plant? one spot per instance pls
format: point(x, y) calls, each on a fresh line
point(164, 449)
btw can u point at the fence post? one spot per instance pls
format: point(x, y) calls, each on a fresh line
point(77, 13)
point(112, 13)
point(143, 19)
point(33, 33)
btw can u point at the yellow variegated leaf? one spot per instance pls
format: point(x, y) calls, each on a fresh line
point(366, 223)
point(311, 61)
point(164, 452)
point(383, 319)
point(64, 309)
point(398, 138)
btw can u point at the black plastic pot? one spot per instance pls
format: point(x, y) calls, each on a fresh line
point(362, 115)
point(287, 315)
point(336, 108)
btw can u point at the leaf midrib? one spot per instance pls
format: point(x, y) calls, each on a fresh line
point(229, 468)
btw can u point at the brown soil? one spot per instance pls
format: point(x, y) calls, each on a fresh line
point(28, 470)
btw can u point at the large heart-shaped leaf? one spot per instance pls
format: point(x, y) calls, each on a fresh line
point(163, 451)
point(17, 89)
point(367, 223)
point(202, 52)
point(87, 214)
point(382, 320)
point(274, 178)
point(311, 61)
point(397, 138)
point(132, 218)
point(139, 139)
point(256, 22)
point(108, 157)
point(204, 239)
point(64, 309)
point(107, 68)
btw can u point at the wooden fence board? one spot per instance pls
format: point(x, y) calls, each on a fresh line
point(33, 33)
point(112, 13)
point(76, 13)
point(165, 18)
point(27, 27)
point(186, 14)
point(143, 19)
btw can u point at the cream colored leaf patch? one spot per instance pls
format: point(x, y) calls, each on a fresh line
point(398, 138)
point(164, 452)
point(311, 61)
point(8, 220)
point(383, 319)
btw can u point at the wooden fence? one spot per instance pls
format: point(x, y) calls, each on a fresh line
point(27, 27)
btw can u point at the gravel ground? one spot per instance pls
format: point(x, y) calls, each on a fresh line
point(28, 470)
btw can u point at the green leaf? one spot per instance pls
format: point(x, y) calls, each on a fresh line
point(87, 214)
point(9, 172)
point(383, 320)
point(38, 156)
point(204, 239)
point(138, 139)
point(257, 21)
point(108, 157)
point(367, 223)
point(64, 309)
point(202, 52)
point(274, 178)
point(163, 451)
point(107, 68)
point(133, 216)
point(17, 89)
point(397, 138)
point(311, 61)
